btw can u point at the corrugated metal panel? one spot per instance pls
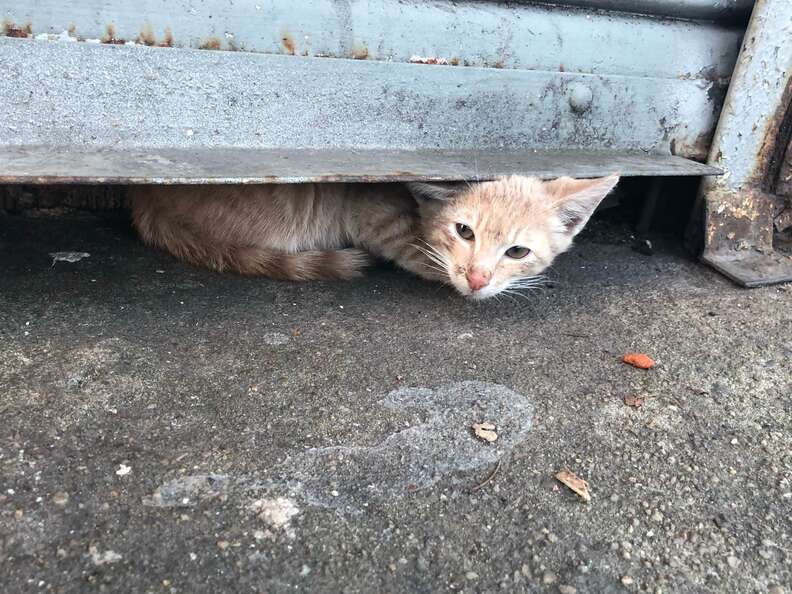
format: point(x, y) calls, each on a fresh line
point(539, 78)
point(486, 34)
point(85, 94)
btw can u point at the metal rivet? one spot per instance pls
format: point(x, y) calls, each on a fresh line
point(580, 97)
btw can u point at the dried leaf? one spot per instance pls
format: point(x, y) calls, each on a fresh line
point(578, 485)
point(638, 360)
point(633, 401)
point(485, 431)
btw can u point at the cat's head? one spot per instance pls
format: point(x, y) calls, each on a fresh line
point(494, 236)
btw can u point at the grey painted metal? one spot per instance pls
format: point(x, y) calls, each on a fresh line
point(58, 165)
point(487, 34)
point(74, 94)
point(738, 208)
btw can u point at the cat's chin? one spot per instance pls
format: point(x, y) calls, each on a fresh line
point(481, 295)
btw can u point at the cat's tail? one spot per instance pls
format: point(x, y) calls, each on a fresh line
point(297, 266)
point(190, 245)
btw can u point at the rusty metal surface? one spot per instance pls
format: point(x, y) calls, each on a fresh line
point(784, 185)
point(751, 268)
point(102, 165)
point(757, 99)
point(528, 36)
point(68, 94)
point(751, 135)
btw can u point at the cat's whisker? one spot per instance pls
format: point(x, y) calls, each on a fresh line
point(431, 252)
point(515, 294)
point(441, 263)
point(529, 282)
point(505, 293)
point(438, 269)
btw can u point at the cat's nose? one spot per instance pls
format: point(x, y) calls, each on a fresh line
point(477, 280)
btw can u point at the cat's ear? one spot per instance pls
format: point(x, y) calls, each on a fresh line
point(422, 191)
point(576, 199)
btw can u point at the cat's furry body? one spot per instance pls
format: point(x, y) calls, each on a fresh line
point(329, 231)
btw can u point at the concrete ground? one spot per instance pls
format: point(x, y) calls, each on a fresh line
point(166, 429)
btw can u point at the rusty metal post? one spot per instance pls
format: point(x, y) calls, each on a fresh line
point(751, 136)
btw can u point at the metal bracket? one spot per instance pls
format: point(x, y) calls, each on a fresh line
point(752, 134)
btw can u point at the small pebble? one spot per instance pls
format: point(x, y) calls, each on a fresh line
point(564, 589)
point(627, 580)
point(471, 575)
point(733, 561)
point(60, 498)
point(548, 578)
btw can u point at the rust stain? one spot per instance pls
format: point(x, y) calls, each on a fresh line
point(287, 43)
point(360, 52)
point(167, 40)
point(11, 30)
point(498, 64)
point(561, 68)
point(212, 43)
point(784, 184)
point(146, 36)
point(738, 220)
point(110, 37)
point(769, 163)
point(454, 61)
point(428, 60)
point(697, 149)
point(72, 28)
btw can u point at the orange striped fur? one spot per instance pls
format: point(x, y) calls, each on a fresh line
point(332, 231)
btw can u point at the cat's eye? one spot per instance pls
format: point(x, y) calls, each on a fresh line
point(465, 232)
point(517, 252)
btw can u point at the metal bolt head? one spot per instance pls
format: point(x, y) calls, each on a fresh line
point(580, 97)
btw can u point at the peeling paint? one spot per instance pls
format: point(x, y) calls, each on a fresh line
point(287, 43)
point(12, 30)
point(110, 36)
point(360, 51)
point(211, 43)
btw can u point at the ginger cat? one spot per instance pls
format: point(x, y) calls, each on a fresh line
point(481, 238)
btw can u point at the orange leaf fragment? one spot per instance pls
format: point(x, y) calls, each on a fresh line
point(638, 360)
